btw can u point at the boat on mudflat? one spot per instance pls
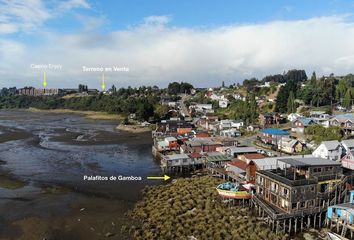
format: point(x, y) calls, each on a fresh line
point(233, 190)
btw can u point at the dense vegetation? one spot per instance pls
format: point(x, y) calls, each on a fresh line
point(319, 133)
point(245, 110)
point(143, 101)
point(324, 91)
point(191, 208)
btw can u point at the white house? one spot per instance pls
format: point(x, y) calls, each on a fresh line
point(293, 116)
point(348, 145)
point(223, 103)
point(320, 118)
point(239, 97)
point(331, 150)
point(227, 124)
point(230, 133)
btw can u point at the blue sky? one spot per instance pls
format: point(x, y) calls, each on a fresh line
point(207, 13)
point(204, 42)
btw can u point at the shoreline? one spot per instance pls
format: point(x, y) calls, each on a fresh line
point(93, 115)
point(133, 128)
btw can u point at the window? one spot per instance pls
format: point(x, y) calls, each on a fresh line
point(302, 204)
point(312, 189)
point(294, 206)
point(274, 187)
point(286, 192)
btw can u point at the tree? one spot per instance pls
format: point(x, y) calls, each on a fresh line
point(313, 78)
point(176, 88)
point(113, 89)
point(161, 110)
point(291, 103)
point(347, 99)
point(283, 95)
point(253, 109)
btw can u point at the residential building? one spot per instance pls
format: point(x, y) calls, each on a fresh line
point(293, 116)
point(168, 144)
point(272, 136)
point(172, 127)
point(348, 145)
point(230, 133)
point(290, 145)
point(223, 103)
point(253, 128)
point(345, 122)
point(301, 190)
point(236, 151)
point(320, 117)
point(299, 125)
point(30, 91)
point(227, 124)
point(217, 159)
point(241, 171)
point(250, 157)
point(175, 161)
point(348, 152)
point(331, 150)
point(342, 216)
point(268, 119)
point(199, 145)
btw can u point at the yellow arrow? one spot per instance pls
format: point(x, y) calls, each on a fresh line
point(44, 79)
point(103, 86)
point(165, 177)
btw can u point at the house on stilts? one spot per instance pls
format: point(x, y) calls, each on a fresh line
point(297, 196)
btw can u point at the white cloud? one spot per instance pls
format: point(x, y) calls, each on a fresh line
point(91, 23)
point(29, 15)
point(72, 4)
point(158, 53)
point(157, 20)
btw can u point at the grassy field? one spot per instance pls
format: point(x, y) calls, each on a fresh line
point(88, 114)
point(190, 208)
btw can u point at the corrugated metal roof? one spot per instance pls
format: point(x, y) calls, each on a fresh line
point(331, 145)
point(274, 131)
point(310, 161)
point(177, 156)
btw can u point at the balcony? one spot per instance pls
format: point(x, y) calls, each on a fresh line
point(287, 178)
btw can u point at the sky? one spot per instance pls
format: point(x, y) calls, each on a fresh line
point(160, 41)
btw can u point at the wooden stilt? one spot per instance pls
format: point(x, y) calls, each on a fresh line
point(295, 225)
point(308, 222)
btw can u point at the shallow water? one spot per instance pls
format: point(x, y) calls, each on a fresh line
point(56, 149)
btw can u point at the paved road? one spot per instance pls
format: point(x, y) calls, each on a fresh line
point(184, 109)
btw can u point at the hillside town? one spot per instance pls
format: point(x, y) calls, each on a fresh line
point(285, 166)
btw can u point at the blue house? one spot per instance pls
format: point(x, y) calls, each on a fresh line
point(272, 136)
point(343, 213)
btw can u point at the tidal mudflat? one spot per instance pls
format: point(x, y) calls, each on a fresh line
point(43, 159)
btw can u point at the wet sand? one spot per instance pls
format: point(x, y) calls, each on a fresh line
point(51, 152)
